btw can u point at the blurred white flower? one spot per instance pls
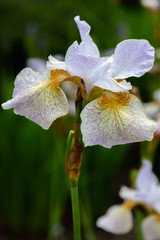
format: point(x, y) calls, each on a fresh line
point(118, 220)
point(147, 188)
point(151, 4)
point(151, 227)
point(153, 110)
point(156, 96)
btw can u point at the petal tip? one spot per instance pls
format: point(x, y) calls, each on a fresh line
point(6, 105)
point(77, 18)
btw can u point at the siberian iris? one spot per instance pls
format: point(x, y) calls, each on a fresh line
point(114, 116)
point(119, 220)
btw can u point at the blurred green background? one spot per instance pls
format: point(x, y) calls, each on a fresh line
point(34, 189)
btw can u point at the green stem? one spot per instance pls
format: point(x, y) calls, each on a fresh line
point(139, 218)
point(76, 212)
point(73, 159)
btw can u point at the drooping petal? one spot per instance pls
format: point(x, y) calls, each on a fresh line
point(115, 118)
point(87, 46)
point(146, 180)
point(118, 220)
point(28, 80)
point(53, 63)
point(104, 81)
point(132, 58)
point(42, 107)
point(151, 227)
point(81, 65)
point(38, 98)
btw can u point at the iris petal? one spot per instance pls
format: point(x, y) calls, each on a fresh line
point(146, 179)
point(115, 118)
point(118, 220)
point(38, 98)
point(151, 227)
point(88, 47)
point(104, 81)
point(82, 65)
point(132, 58)
point(53, 63)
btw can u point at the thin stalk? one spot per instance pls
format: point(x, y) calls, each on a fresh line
point(73, 160)
point(139, 217)
point(76, 212)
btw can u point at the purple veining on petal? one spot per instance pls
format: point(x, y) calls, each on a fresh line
point(107, 126)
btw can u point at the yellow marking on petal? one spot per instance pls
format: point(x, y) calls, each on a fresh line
point(158, 217)
point(78, 81)
point(119, 80)
point(115, 118)
point(117, 104)
point(129, 204)
point(59, 76)
point(44, 106)
point(115, 100)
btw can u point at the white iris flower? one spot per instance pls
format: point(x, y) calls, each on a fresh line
point(119, 220)
point(115, 117)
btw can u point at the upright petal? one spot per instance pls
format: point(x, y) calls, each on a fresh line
point(83, 59)
point(146, 180)
point(132, 58)
point(115, 118)
point(151, 227)
point(82, 65)
point(38, 98)
point(118, 220)
point(83, 27)
point(87, 46)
